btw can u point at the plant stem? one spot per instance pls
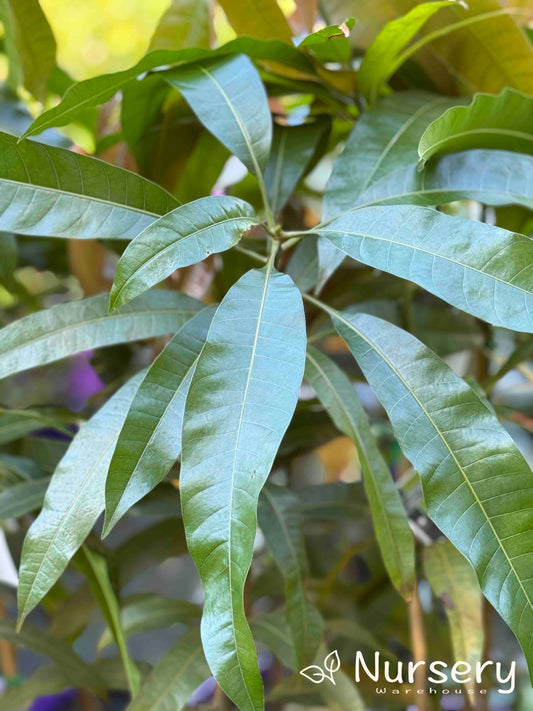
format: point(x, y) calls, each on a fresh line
point(418, 646)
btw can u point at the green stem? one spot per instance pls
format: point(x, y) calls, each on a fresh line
point(270, 219)
point(251, 253)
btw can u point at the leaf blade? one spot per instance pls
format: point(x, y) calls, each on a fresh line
point(270, 304)
point(180, 238)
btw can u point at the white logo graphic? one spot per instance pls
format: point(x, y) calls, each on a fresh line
point(317, 675)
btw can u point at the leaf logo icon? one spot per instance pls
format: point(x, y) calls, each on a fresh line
point(317, 674)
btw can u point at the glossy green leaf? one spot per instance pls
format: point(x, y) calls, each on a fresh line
point(147, 612)
point(331, 43)
point(174, 679)
point(29, 43)
point(454, 581)
point(477, 485)
point(272, 629)
point(257, 18)
point(502, 122)
point(229, 99)
point(79, 673)
point(381, 59)
point(97, 90)
point(240, 402)
point(328, 33)
point(94, 567)
point(280, 519)
point(185, 23)
point(52, 192)
point(293, 147)
point(187, 235)
point(384, 139)
point(77, 326)
point(150, 441)
point(488, 176)
point(481, 269)
point(22, 498)
point(394, 536)
point(74, 501)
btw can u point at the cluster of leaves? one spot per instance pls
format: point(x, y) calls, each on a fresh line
point(395, 271)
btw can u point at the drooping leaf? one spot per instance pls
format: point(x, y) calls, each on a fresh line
point(381, 59)
point(488, 176)
point(454, 581)
point(390, 519)
point(384, 139)
point(78, 326)
point(280, 520)
point(230, 100)
point(51, 192)
point(29, 43)
point(174, 679)
point(147, 612)
point(22, 498)
point(79, 673)
point(502, 122)
point(185, 23)
point(97, 90)
point(258, 18)
point(150, 441)
point(204, 165)
point(293, 148)
point(244, 390)
point(187, 235)
point(477, 485)
point(481, 269)
point(94, 567)
point(331, 44)
point(74, 501)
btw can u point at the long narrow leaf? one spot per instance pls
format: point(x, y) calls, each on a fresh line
point(186, 235)
point(240, 402)
point(66, 329)
point(53, 192)
point(390, 519)
point(477, 486)
point(280, 520)
point(150, 441)
point(481, 269)
point(74, 501)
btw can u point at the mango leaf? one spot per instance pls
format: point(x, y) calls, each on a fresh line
point(97, 90)
point(490, 177)
point(330, 502)
point(79, 673)
point(94, 567)
point(22, 498)
point(29, 43)
point(258, 18)
point(502, 121)
point(302, 266)
point(230, 100)
point(382, 57)
point(204, 165)
point(454, 581)
point(8, 249)
point(174, 679)
point(187, 235)
point(244, 390)
point(480, 269)
point(384, 139)
point(150, 440)
point(280, 520)
point(51, 192)
point(477, 485)
point(77, 326)
point(272, 630)
point(331, 44)
point(74, 501)
point(185, 23)
point(394, 536)
point(293, 147)
point(149, 612)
